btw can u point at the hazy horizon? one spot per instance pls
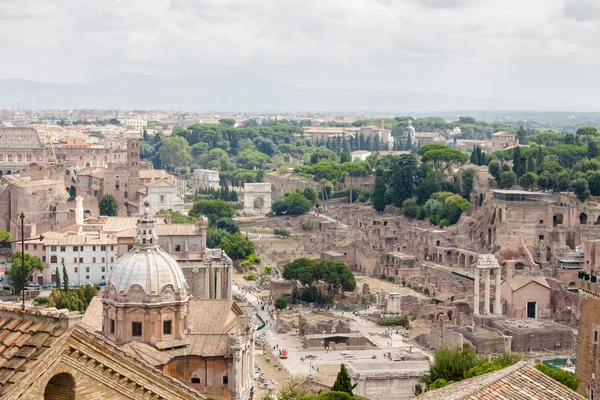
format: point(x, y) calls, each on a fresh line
point(540, 52)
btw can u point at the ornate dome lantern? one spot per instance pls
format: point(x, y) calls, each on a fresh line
point(146, 296)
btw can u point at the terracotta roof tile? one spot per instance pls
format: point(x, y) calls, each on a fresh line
point(37, 327)
point(12, 337)
point(13, 324)
point(25, 325)
point(24, 338)
point(4, 321)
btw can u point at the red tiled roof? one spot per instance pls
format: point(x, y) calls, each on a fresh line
point(517, 382)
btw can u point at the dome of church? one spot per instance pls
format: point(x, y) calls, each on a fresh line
point(147, 271)
point(410, 129)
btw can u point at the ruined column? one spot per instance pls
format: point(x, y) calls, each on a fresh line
point(207, 282)
point(476, 298)
point(498, 305)
point(486, 299)
point(229, 281)
point(219, 295)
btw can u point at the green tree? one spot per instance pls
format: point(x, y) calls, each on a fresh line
point(409, 208)
point(467, 182)
point(379, 193)
point(451, 364)
point(175, 152)
point(587, 131)
point(546, 181)
point(281, 303)
point(108, 205)
point(303, 269)
point(581, 189)
point(214, 237)
point(227, 121)
point(228, 224)
point(530, 163)
point(58, 281)
point(508, 179)
point(212, 209)
point(519, 162)
point(15, 272)
point(528, 180)
point(293, 203)
point(65, 279)
point(494, 169)
point(592, 150)
point(343, 382)
point(564, 377)
point(237, 247)
point(310, 194)
point(441, 156)
point(4, 236)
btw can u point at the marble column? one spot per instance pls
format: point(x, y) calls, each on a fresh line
point(207, 282)
point(476, 298)
point(219, 295)
point(229, 281)
point(498, 305)
point(486, 299)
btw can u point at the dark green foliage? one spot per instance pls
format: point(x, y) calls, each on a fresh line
point(482, 369)
point(335, 274)
point(519, 162)
point(214, 237)
point(409, 208)
point(508, 179)
point(281, 303)
point(395, 321)
point(343, 382)
point(293, 203)
point(227, 224)
point(562, 376)
point(212, 209)
point(379, 193)
point(528, 180)
point(592, 150)
point(65, 280)
point(581, 188)
point(281, 232)
point(179, 218)
point(237, 247)
point(467, 182)
point(15, 272)
point(74, 300)
point(58, 281)
point(108, 205)
point(330, 396)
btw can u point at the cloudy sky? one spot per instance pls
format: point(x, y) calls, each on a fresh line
point(512, 49)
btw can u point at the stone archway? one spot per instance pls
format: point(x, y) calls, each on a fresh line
point(461, 260)
point(259, 203)
point(519, 266)
point(583, 218)
point(60, 387)
point(257, 198)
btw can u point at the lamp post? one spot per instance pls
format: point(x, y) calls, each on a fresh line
point(23, 240)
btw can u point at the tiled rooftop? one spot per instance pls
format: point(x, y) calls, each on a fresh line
point(517, 382)
point(24, 337)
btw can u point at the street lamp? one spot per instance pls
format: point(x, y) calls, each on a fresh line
point(23, 240)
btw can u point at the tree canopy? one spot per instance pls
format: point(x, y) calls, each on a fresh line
point(14, 273)
point(108, 205)
point(335, 274)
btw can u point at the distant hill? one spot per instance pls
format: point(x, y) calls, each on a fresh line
point(238, 92)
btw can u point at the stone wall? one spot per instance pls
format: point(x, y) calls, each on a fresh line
point(287, 183)
point(587, 359)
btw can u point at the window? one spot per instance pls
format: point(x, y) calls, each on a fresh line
point(93, 259)
point(112, 248)
point(162, 198)
point(81, 259)
point(62, 260)
point(103, 269)
point(35, 246)
point(43, 258)
point(112, 259)
point(136, 329)
point(102, 277)
point(26, 247)
point(53, 248)
point(225, 379)
point(75, 260)
point(196, 380)
point(76, 270)
point(112, 326)
point(103, 259)
point(167, 327)
point(93, 248)
point(53, 259)
point(595, 336)
point(75, 248)
point(87, 277)
point(177, 247)
point(102, 248)
point(63, 248)
point(87, 269)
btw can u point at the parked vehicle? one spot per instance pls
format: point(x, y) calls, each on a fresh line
point(33, 285)
point(283, 353)
point(52, 285)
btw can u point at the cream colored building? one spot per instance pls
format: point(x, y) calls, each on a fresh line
point(160, 195)
point(135, 123)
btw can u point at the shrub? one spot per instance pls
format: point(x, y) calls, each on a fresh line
point(426, 292)
point(395, 321)
point(391, 279)
point(250, 277)
point(253, 258)
point(382, 277)
point(268, 270)
point(281, 232)
point(40, 301)
point(281, 303)
point(560, 375)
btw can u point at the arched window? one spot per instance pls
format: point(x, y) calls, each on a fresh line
point(61, 386)
point(53, 259)
point(125, 194)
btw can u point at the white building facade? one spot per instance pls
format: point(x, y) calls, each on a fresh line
point(161, 195)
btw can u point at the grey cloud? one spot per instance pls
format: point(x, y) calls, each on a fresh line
point(445, 3)
point(582, 10)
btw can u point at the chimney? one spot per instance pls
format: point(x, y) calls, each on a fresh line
point(381, 124)
point(79, 210)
